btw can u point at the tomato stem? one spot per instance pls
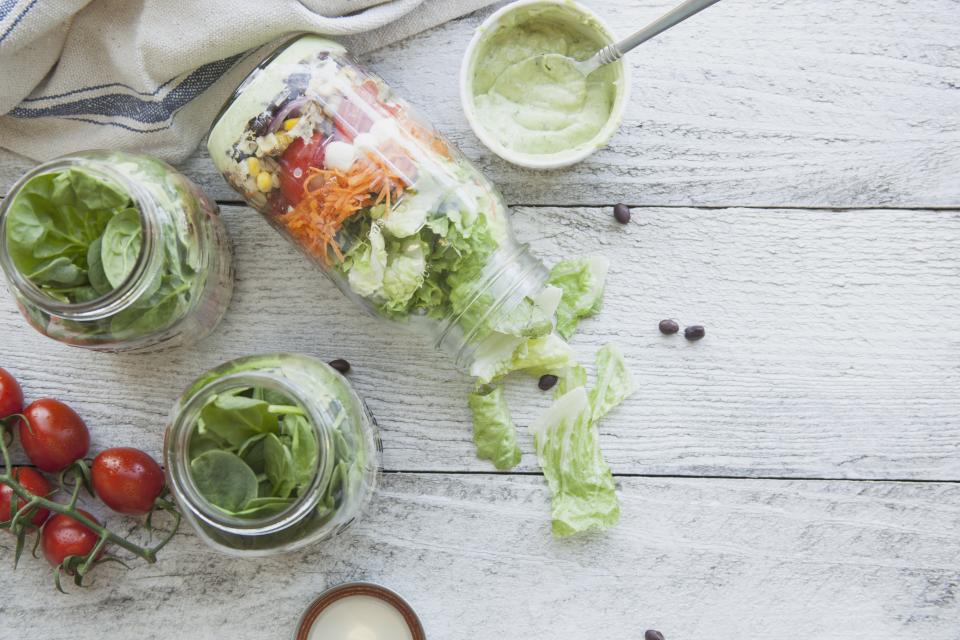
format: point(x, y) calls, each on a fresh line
point(149, 554)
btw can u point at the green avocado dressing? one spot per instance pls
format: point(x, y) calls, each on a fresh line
point(535, 104)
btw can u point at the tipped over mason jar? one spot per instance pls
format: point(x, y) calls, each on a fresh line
point(401, 222)
point(115, 252)
point(269, 453)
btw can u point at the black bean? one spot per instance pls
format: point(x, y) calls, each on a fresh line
point(652, 634)
point(669, 327)
point(547, 381)
point(340, 365)
point(694, 332)
point(622, 213)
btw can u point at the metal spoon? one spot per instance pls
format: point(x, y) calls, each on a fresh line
point(553, 78)
point(614, 51)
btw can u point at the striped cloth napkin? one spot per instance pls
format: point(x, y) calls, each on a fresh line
point(150, 75)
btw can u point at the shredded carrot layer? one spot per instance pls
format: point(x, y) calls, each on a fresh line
point(331, 197)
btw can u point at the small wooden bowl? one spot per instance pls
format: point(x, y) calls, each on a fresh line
point(339, 592)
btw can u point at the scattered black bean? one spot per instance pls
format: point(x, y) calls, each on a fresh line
point(340, 365)
point(547, 381)
point(694, 332)
point(622, 213)
point(669, 327)
point(652, 634)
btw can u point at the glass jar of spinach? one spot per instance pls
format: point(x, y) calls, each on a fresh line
point(115, 252)
point(268, 453)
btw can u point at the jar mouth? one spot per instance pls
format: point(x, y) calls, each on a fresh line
point(120, 297)
point(518, 274)
point(184, 425)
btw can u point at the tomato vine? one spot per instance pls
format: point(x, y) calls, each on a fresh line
point(18, 521)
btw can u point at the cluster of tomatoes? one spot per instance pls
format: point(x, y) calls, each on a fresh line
point(55, 438)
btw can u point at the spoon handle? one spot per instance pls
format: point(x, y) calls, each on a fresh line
point(613, 52)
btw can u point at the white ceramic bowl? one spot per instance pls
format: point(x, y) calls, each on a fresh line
point(542, 160)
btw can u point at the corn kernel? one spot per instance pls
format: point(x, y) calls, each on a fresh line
point(253, 166)
point(290, 123)
point(264, 181)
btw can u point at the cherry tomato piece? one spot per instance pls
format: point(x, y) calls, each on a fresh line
point(11, 395)
point(63, 537)
point(352, 118)
point(55, 437)
point(31, 480)
point(295, 162)
point(127, 480)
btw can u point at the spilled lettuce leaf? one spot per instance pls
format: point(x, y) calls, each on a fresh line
point(614, 382)
point(570, 378)
point(493, 431)
point(582, 281)
point(500, 354)
point(583, 492)
point(582, 486)
point(493, 356)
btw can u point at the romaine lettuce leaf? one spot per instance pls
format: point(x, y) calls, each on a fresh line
point(525, 320)
point(582, 281)
point(493, 431)
point(581, 484)
point(404, 273)
point(582, 487)
point(368, 265)
point(614, 382)
point(500, 354)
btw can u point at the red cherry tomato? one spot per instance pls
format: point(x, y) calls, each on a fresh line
point(127, 480)
point(33, 482)
point(294, 163)
point(55, 437)
point(351, 118)
point(63, 536)
point(11, 395)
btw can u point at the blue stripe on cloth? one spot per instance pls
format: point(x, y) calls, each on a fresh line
point(121, 125)
point(121, 105)
point(100, 86)
point(17, 20)
point(6, 7)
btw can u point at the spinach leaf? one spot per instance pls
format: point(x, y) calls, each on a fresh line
point(95, 274)
point(120, 245)
point(237, 418)
point(304, 449)
point(276, 444)
point(279, 466)
point(51, 224)
point(224, 479)
point(263, 507)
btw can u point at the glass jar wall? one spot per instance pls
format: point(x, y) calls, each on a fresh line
point(392, 212)
point(268, 453)
point(116, 252)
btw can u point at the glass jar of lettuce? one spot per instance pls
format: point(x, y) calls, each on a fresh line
point(404, 225)
point(268, 453)
point(115, 252)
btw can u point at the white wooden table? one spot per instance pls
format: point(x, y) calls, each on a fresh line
point(794, 169)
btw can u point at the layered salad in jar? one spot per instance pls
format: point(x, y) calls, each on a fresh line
point(401, 221)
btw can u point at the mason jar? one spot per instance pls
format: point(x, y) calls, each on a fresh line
point(115, 251)
point(400, 221)
point(341, 479)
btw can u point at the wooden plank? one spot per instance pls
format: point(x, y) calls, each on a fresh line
point(771, 104)
point(697, 559)
point(832, 348)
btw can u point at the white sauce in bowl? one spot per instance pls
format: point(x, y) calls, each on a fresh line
point(360, 618)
